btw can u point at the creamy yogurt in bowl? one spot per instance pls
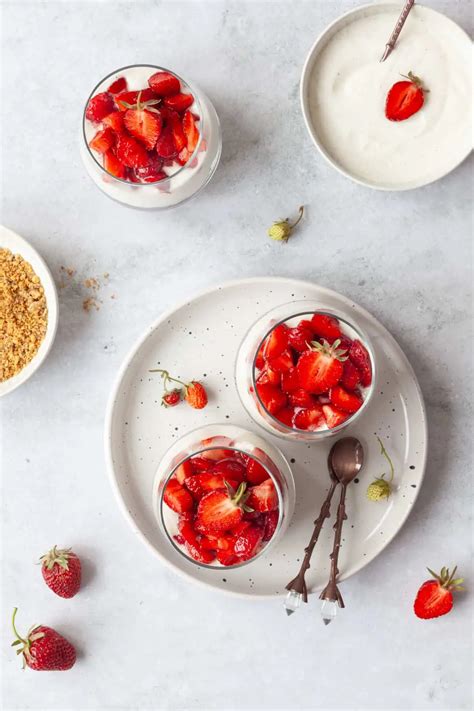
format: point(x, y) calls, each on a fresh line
point(344, 88)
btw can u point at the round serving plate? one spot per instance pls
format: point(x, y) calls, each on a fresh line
point(435, 28)
point(199, 340)
point(18, 245)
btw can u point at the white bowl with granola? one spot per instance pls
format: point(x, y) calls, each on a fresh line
point(28, 310)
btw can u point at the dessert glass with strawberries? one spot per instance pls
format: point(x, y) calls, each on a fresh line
point(150, 140)
point(223, 496)
point(305, 372)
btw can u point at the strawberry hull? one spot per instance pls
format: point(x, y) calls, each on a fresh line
point(219, 528)
point(321, 379)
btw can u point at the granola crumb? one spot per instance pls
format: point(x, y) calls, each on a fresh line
point(91, 303)
point(23, 313)
point(92, 283)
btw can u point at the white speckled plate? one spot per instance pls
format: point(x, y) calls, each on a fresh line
point(18, 245)
point(199, 339)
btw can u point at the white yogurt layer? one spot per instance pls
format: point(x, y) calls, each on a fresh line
point(183, 182)
point(348, 86)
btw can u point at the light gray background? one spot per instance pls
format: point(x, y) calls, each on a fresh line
point(148, 639)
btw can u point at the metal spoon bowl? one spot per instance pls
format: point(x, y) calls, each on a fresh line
point(346, 459)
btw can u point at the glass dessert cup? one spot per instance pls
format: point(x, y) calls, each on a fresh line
point(250, 366)
point(217, 444)
point(182, 181)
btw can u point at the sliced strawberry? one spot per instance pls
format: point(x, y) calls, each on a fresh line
point(247, 544)
point(226, 558)
point(177, 497)
point(217, 454)
point(236, 531)
point(321, 368)
point(302, 398)
point(260, 360)
point(114, 121)
point(179, 102)
point(286, 416)
point(127, 99)
point(361, 359)
point(183, 471)
point(350, 376)
point(164, 84)
point(99, 106)
point(179, 138)
point(282, 363)
point(263, 497)
point(230, 470)
point(276, 342)
point(326, 327)
point(290, 381)
point(165, 145)
point(151, 173)
point(130, 152)
point(344, 400)
point(186, 530)
point(199, 554)
point(345, 344)
point(200, 484)
point(183, 156)
point(300, 336)
point(118, 86)
point(333, 416)
point(191, 131)
point(201, 464)
point(144, 125)
point(269, 376)
point(221, 510)
point(102, 141)
point(272, 398)
point(113, 166)
point(270, 525)
point(405, 98)
point(255, 472)
point(435, 597)
point(310, 419)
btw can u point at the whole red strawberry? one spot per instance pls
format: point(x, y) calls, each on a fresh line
point(171, 398)
point(196, 395)
point(61, 570)
point(435, 597)
point(44, 649)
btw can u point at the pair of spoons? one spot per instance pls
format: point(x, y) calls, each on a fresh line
point(345, 461)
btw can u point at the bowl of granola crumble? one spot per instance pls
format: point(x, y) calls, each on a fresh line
point(28, 310)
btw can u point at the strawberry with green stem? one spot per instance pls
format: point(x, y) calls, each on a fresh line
point(194, 392)
point(381, 487)
point(435, 597)
point(143, 121)
point(43, 648)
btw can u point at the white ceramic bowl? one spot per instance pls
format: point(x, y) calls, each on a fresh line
point(426, 40)
point(16, 244)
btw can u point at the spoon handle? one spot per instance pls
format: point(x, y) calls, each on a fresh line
point(331, 591)
point(397, 29)
point(298, 584)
